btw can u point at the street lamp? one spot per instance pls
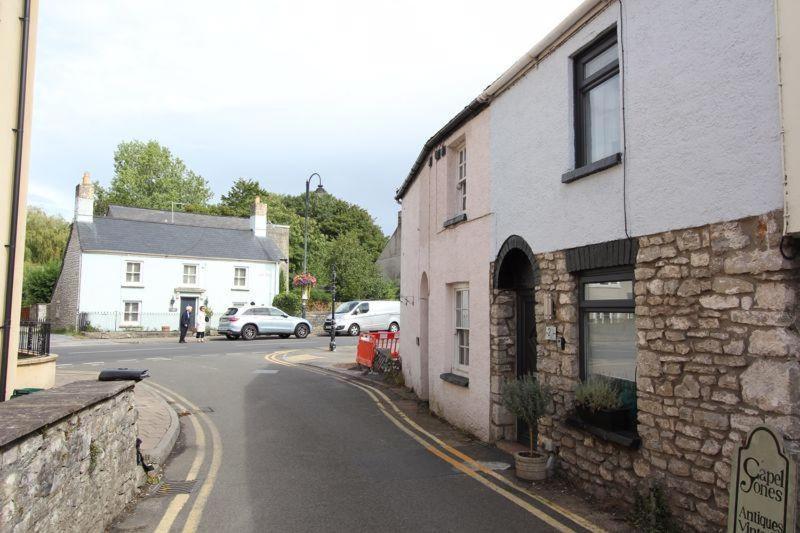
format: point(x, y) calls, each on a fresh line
point(319, 190)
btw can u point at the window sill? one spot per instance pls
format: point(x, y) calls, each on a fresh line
point(133, 285)
point(628, 439)
point(592, 168)
point(455, 379)
point(241, 289)
point(455, 220)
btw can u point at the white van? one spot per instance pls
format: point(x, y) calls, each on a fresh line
point(366, 315)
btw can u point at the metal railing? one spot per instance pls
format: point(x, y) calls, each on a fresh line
point(34, 338)
point(108, 321)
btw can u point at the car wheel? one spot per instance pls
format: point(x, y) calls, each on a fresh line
point(394, 327)
point(249, 332)
point(301, 331)
point(354, 330)
point(284, 335)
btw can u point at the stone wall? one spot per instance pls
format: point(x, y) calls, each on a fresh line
point(63, 309)
point(717, 317)
point(503, 332)
point(68, 457)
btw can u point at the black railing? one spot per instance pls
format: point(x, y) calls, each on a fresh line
point(34, 338)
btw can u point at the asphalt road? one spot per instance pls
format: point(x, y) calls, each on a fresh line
point(275, 447)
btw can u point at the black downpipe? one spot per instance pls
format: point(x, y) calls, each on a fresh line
point(12, 245)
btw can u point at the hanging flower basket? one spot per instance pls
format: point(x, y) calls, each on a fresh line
point(304, 280)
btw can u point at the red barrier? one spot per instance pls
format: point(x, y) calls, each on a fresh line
point(368, 342)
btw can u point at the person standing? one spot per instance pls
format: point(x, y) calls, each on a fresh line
point(200, 324)
point(186, 321)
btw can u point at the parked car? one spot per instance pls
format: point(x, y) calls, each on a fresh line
point(366, 315)
point(250, 322)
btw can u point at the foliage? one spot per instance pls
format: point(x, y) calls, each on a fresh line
point(651, 513)
point(598, 393)
point(357, 275)
point(45, 237)
point(303, 280)
point(288, 302)
point(391, 368)
point(527, 399)
point(148, 175)
point(38, 282)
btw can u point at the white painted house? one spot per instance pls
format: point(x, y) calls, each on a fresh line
point(137, 268)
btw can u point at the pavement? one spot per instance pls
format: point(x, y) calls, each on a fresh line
point(280, 434)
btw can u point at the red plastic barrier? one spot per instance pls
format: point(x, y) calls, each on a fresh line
point(368, 342)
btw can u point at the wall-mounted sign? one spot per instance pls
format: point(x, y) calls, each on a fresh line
point(762, 487)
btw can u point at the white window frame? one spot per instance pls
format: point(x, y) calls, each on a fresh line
point(126, 272)
point(461, 179)
point(458, 365)
point(246, 278)
point(184, 275)
point(125, 313)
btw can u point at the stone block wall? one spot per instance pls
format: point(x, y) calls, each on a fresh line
point(503, 332)
point(717, 317)
point(68, 458)
point(63, 309)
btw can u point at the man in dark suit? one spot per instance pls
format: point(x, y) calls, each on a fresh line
point(186, 321)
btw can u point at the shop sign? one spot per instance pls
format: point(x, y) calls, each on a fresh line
point(763, 486)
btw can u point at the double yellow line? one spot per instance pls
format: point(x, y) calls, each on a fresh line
point(459, 460)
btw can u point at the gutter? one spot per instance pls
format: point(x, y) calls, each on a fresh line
point(574, 21)
point(17, 183)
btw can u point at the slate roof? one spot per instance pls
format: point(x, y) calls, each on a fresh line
point(111, 234)
point(186, 219)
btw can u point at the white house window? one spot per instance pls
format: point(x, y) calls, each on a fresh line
point(462, 327)
point(133, 272)
point(131, 314)
point(461, 183)
point(190, 274)
point(240, 277)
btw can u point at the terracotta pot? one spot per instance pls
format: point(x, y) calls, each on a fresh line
point(531, 468)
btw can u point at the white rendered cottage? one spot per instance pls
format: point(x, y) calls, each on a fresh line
point(136, 268)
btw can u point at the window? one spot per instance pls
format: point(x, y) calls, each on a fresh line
point(133, 272)
point(190, 274)
point(608, 324)
point(131, 314)
point(363, 308)
point(461, 179)
point(462, 327)
point(597, 101)
point(240, 277)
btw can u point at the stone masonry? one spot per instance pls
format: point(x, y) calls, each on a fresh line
point(717, 318)
point(74, 467)
point(503, 360)
point(63, 309)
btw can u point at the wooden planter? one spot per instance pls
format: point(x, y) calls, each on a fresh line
point(531, 468)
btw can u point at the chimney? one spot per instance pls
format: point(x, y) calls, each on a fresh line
point(84, 200)
point(258, 218)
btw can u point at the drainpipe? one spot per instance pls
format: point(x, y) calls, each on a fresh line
point(17, 181)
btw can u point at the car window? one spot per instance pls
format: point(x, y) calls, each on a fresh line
point(231, 311)
point(263, 311)
point(274, 311)
point(346, 307)
point(363, 308)
point(250, 312)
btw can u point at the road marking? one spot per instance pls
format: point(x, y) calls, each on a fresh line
point(262, 371)
point(158, 358)
point(94, 363)
point(470, 466)
point(129, 350)
point(63, 364)
point(126, 360)
point(302, 357)
point(196, 512)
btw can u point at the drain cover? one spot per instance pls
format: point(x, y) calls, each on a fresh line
point(175, 487)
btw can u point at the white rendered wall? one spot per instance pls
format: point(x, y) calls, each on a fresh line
point(702, 129)
point(103, 288)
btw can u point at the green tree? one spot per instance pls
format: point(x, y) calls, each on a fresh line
point(356, 273)
point(39, 281)
point(45, 237)
point(148, 175)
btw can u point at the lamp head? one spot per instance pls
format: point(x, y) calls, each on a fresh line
point(320, 190)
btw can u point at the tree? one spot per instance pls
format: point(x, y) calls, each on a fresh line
point(148, 175)
point(39, 281)
point(45, 237)
point(356, 273)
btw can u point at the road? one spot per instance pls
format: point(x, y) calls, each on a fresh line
point(275, 445)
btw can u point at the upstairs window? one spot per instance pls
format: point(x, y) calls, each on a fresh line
point(133, 272)
point(190, 274)
point(240, 277)
point(461, 180)
point(597, 101)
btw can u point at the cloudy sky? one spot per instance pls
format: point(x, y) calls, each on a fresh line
point(272, 90)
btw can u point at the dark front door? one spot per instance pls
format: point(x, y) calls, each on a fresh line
point(185, 300)
point(526, 348)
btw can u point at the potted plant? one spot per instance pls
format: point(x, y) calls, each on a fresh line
point(598, 402)
point(528, 399)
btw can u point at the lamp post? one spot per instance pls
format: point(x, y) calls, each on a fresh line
point(332, 344)
point(319, 190)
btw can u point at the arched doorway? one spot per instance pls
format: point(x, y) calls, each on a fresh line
point(514, 279)
point(423, 337)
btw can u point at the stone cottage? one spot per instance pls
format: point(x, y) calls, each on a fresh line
point(630, 178)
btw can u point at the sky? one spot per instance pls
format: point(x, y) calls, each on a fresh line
point(268, 90)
